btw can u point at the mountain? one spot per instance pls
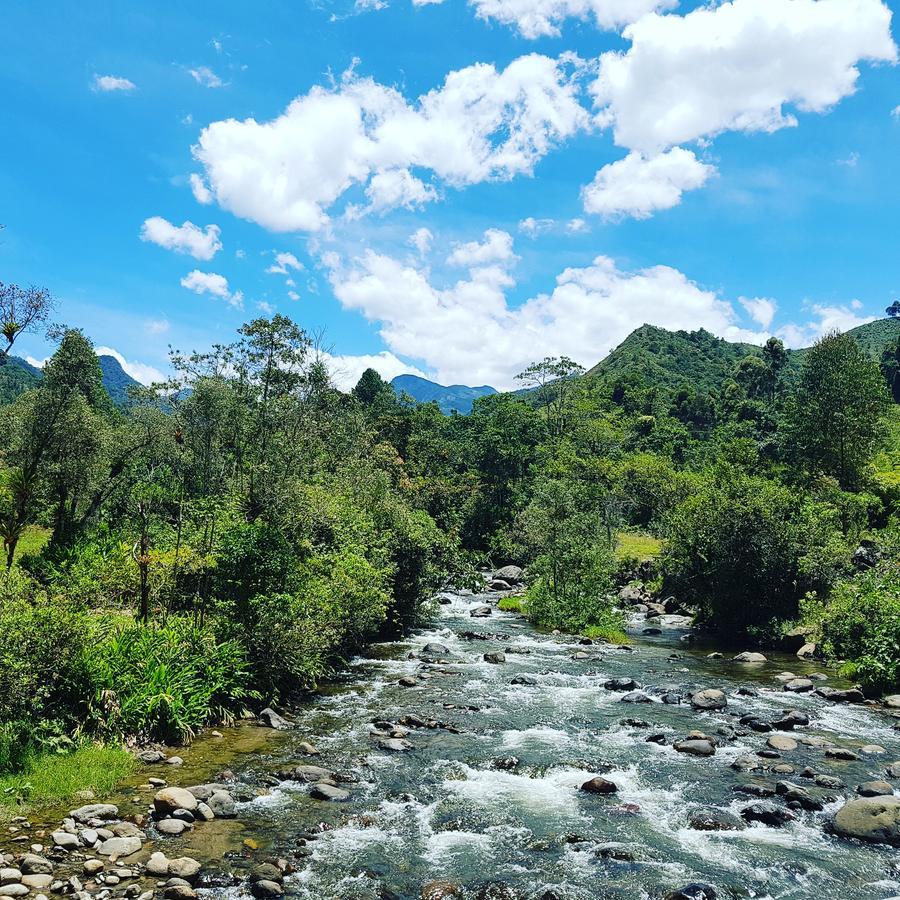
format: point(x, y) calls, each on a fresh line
point(703, 361)
point(457, 397)
point(18, 376)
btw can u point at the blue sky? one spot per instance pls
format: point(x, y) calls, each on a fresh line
point(450, 188)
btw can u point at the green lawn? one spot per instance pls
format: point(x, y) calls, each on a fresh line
point(632, 544)
point(33, 540)
point(52, 778)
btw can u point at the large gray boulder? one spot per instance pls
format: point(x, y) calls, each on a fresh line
point(170, 799)
point(709, 699)
point(875, 819)
point(85, 814)
point(509, 574)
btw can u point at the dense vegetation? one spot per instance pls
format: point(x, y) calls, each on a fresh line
point(224, 540)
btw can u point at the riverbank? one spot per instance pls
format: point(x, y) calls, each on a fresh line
point(454, 763)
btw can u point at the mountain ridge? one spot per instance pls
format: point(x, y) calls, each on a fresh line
point(449, 398)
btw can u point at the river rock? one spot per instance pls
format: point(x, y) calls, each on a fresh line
point(14, 890)
point(271, 719)
point(440, 890)
point(794, 794)
point(841, 753)
point(509, 574)
point(180, 890)
point(498, 584)
point(875, 789)
point(831, 782)
point(480, 612)
point(407, 681)
point(434, 649)
point(151, 757)
point(65, 840)
point(172, 827)
point(875, 819)
point(599, 786)
point(37, 882)
point(394, 745)
point(754, 790)
point(749, 657)
point(119, 846)
point(635, 697)
point(892, 701)
point(712, 698)
point(325, 791)
point(807, 651)
point(10, 875)
point(92, 866)
point(695, 747)
point(157, 864)
point(791, 719)
point(524, 680)
point(799, 685)
point(222, 805)
point(85, 814)
point(714, 820)
point(32, 864)
point(266, 890)
point(166, 801)
point(781, 743)
point(768, 814)
point(850, 695)
point(872, 750)
point(694, 891)
point(893, 770)
point(496, 657)
point(184, 867)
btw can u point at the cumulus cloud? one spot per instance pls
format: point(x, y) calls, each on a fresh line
point(826, 318)
point(736, 66)
point(761, 309)
point(576, 226)
point(481, 124)
point(533, 227)
point(211, 283)
point(205, 76)
point(137, 370)
point(421, 239)
point(346, 370)
point(588, 312)
point(541, 18)
point(201, 243)
point(496, 247)
point(105, 84)
point(283, 263)
point(157, 326)
point(638, 186)
point(202, 194)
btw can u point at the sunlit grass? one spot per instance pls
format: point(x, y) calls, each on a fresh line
point(52, 778)
point(606, 633)
point(632, 544)
point(511, 604)
point(34, 539)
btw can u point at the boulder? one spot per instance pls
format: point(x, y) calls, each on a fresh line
point(496, 657)
point(266, 890)
point(184, 867)
point(172, 827)
point(694, 891)
point(875, 789)
point(711, 698)
point(599, 786)
point(10, 875)
point(621, 684)
point(65, 840)
point(524, 679)
point(509, 574)
point(781, 743)
point(498, 584)
point(222, 805)
point(151, 757)
point(695, 747)
point(841, 753)
point(395, 745)
point(714, 820)
point(169, 799)
point(791, 719)
point(14, 890)
point(325, 791)
point(157, 865)
point(892, 701)
point(435, 649)
point(807, 651)
point(799, 685)
point(773, 816)
point(32, 864)
point(480, 612)
point(85, 814)
point(119, 846)
point(749, 657)
point(37, 882)
point(635, 697)
point(875, 819)
point(311, 774)
point(795, 795)
point(271, 719)
point(440, 890)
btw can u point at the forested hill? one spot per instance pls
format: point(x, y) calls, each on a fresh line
point(457, 397)
point(18, 376)
point(704, 361)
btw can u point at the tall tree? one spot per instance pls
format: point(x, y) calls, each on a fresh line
point(21, 309)
point(552, 379)
point(835, 417)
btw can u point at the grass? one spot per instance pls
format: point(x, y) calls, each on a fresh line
point(606, 633)
point(33, 540)
point(511, 604)
point(53, 778)
point(635, 545)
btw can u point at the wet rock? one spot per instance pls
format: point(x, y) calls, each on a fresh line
point(841, 753)
point(893, 770)
point(714, 820)
point(831, 782)
point(794, 794)
point(695, 747)
point(749, 657)
point(872, 750)
point(179, 891)
point(184, 867)
point(851, 695)
point(875, 819)
point(509, 574)
point(480, 612)
point(746, 764)
point(204, 812)
point(85, 814)
point(875, 789)
point(807, 651)
point(497, 657)
point(435, 649)
point(271, 719)
point(525, 680)
point(657, 737)
point(119, 846)
point(311, 774)
point(715, 655)
point(172, 827)
point(169, 799)
point(440, 890)
point(407, 681)
point(498, 584)
point(599, 786)
point(754, 790)
point(394, 745)
point(671, 698)
point(32, 864)
point(770, 815)
point(709, 699)
point(151, 757)
point(65, 841)
point(790, 720)
point(325, 791)
point(506, 763)
point(799, 685)
point(694, 891)
point(222, 805)
point(621, 684)
point(781, 743)
point(635, 697)
point(892, 701)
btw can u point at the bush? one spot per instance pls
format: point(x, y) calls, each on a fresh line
point(167, 681)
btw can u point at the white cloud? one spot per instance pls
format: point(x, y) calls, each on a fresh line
point(202, 194)
point(186, 238)
point(205, 76)
point(851, 161)
point(895, 112)
point(137, 370)
point(576, 226)
point(736, 66)
point(481, 124)
point(37, 363)
point(157, 326)
point(826, 318)
point(346, 370)
point(533, 227)
point(497, 247)
point(540, 18)
point(421, 239)
point(105, 84)
point(265, 307)
point(589, 311)
point(284, 262)
point(637, 186)
point(761, 309)
point(293, 295)
point(211, 283)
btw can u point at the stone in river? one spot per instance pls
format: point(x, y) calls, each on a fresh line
point(872, 750)
point(791, 719)
point(794, 794)
point(599, 786)
point(635, 697)
point(694, 891)
point(407, 681)
point(394, 744)
point(172, 827)
point(524, 679)
point(496, 657)
point(271, 719)
point(621, 684)
point(714, 820)
point(510, 574)
point(119, 846)
point(841, 753)
point(875, 819)
point(782, 743)
point(325, 791)
point(774, 816)
point(480, 612)
point(748, 657)
point(169, 799)
point(434, 649)
point(84, 814)
point(695, 747)
point(875, 789)
point(709, 699)
point(799, 685)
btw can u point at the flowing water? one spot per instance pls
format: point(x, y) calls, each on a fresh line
point(455, 807)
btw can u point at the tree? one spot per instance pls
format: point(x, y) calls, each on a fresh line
point(835, 417)
point(372, 388)
point(890, 369)
point(775, 358)
point(20, 309)
point(552, 379)
point(894, 309)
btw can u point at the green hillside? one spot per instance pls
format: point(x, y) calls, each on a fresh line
point(16, 377)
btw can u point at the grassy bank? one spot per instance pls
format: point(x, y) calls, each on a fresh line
point(52, 778)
